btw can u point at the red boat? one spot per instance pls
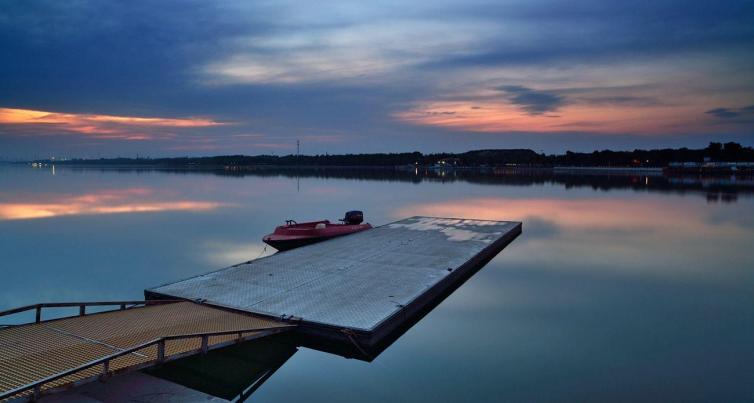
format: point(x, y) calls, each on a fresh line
point(293, 234)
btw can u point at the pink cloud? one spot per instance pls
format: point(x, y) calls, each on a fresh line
point(105, 126)
point(493, 116)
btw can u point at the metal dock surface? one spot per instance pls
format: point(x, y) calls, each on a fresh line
point(364, 285)
point(42, 356)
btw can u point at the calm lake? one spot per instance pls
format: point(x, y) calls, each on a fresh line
point(620, 288)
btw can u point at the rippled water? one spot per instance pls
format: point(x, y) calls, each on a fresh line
point(620, 288)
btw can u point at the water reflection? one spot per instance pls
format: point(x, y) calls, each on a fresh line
point(230, 373)
point(618, 287)
point(632, 232)
point(724, 188)
point(108, 201)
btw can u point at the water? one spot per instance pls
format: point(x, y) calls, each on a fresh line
point(619, 289)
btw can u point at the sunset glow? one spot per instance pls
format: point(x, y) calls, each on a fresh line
point(124, 127)
point(496, 117)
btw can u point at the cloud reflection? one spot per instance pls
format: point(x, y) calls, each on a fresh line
point(612, 234)
point(102, 202)
point(593, 214)
point(226, 252)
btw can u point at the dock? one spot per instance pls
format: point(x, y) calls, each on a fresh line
point(354, 295)
point(48, 356)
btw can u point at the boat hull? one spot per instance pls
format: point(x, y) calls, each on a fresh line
point(288, 244)
point(293, 236)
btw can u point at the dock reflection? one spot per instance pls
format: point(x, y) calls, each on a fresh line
point(231, 373)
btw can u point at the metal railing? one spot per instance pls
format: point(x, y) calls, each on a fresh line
point(122, 305)
point(36, 386)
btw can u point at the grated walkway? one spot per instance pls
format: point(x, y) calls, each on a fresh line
point(34, 352)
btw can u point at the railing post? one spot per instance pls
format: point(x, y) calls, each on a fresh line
point(205, 344)
point(82, 310)
point(105, 368)
point(39, 313)
point(37, 392)
point(161, 351)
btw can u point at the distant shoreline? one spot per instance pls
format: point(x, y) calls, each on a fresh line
point(728, 156)
point(745, 169)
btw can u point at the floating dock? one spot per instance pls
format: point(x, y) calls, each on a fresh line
point(47, 356)
point(354, 295)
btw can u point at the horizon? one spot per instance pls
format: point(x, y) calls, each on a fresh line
point(723, 147)
point(101, 80)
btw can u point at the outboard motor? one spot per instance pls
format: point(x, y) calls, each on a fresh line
point(354, 217)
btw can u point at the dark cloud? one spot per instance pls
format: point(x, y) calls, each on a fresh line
point(595, 30)
point(144, 58)
point(621, 100)
point(723, 113)
point(534, 102)
point(131, 57)
point(730, 113)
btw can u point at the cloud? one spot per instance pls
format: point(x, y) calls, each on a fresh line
point(109, 126)
point(621, 100)
point(723, 113)
point(289, 68)
point(362, 51)
point(532, 101)
point(505, 117)
point(584, 31)
point(729, 113)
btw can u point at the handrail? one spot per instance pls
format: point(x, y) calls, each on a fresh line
point(36, 386)
point(82, 306)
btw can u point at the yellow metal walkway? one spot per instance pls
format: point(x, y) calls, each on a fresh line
point(39, 357)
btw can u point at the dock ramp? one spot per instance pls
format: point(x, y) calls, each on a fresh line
point(51, 355)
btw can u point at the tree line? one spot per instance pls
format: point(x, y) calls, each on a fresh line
point(732, 152)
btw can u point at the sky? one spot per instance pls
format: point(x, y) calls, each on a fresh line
point(98, 78)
